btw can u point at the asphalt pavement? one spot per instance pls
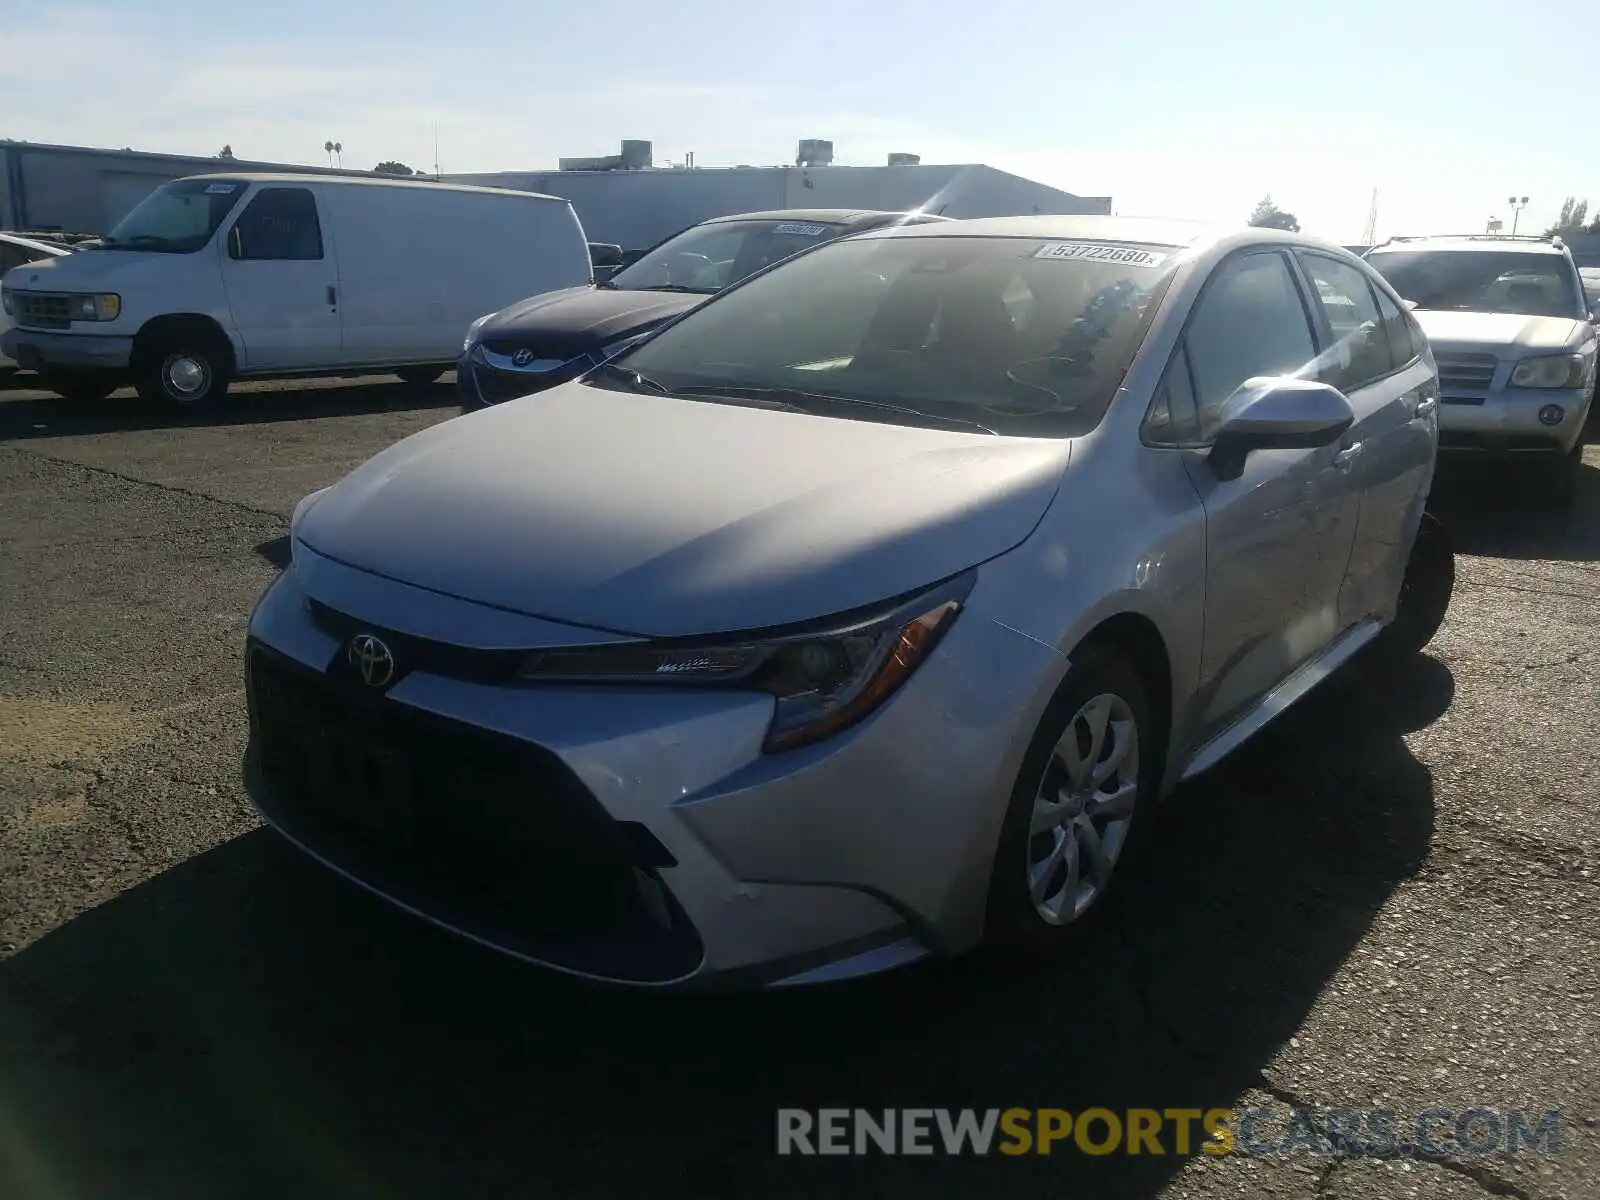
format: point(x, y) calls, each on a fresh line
point(1389, 900)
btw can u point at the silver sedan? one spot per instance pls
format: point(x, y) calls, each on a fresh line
point(860, 614)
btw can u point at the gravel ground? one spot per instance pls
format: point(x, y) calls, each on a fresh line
point(1389, 900)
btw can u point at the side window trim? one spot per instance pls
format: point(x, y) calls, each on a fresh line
point(1181, 346)
point(1373, 289)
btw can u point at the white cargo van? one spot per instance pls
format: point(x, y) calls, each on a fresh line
point(240, 276)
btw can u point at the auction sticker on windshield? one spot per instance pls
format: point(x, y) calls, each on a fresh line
point(801, 228)
point(219, 189)
point(1122, 256)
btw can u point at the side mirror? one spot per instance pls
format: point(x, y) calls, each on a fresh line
point(605, 254)
point(1277, 414)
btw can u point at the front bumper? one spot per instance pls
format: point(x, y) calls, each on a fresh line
point(37, 350)
point(481, 383)
point(640, 836)
point(1507, 422)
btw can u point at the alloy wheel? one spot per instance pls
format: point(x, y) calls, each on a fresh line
point(1083, 809)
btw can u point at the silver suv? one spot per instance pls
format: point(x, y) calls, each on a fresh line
point(1514, 336)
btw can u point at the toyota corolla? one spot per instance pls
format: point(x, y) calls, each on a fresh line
point(861, 614)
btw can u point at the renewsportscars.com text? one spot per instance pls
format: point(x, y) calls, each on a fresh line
point(1257, 1132)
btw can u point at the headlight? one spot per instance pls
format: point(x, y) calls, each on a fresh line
point(300, 511)
point(474, 331)
point(105, 306)
point(824, 680)
point(1553, 371)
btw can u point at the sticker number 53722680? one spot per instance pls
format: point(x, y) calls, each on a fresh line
point(1122, 256)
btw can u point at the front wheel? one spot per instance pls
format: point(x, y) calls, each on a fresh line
point(182, 374)
point(420, 376)
point(1091, 763)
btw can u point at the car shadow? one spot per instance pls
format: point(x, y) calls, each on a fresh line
point(275, 551)
point(31, 415)
point(245, 1023)
point(1493, 515)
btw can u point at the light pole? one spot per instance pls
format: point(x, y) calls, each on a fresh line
point(1516, 211)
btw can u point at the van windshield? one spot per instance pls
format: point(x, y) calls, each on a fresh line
point(178, 217)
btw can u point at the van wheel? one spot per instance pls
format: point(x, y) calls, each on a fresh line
point(420, 376)
point(1092, 761)
point(184, 374)
point(79, 387)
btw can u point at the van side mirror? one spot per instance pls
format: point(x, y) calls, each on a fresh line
point(1277, 414)
point(605, 254)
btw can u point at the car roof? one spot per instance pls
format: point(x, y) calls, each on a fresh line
point(830, 216)
point(30, 244)
point(1472, 242)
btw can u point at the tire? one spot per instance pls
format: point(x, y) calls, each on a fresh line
point(1030, 909)
point(420, 376)
point(1425, 592)
point(185, 372)
point(79, 387)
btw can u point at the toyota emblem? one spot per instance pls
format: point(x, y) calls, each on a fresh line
point(373, 660)
point(522, 357)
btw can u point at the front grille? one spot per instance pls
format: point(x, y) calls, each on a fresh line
point(496, 387)
point(36, 311)
point(424, 654)
point(1465, 378)
point(487, 834)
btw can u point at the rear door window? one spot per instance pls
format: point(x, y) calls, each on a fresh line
point(1360, 351)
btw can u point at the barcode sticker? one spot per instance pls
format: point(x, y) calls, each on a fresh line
point(1122, 256)
point(801, 228)
point(221, 189)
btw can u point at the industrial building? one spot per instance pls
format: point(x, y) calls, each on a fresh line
point(622, 198)
point(77, 189)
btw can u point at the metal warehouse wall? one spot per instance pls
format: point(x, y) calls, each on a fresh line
point(88, 191)
point(638, 208)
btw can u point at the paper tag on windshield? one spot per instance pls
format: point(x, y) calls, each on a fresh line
point(220, 189)
point(801, 228)
point(1122, 256)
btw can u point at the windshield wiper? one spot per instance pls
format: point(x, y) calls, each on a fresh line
point(639, 381)
point(791, 397)
point(679, 287)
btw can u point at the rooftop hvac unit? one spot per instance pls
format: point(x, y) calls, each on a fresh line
point(905, 160)
point(814, 152)
point(637, 155)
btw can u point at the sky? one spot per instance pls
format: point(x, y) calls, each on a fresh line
point(1170, 107)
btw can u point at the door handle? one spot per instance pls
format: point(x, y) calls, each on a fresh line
point(333, 296)
point(1346, 457)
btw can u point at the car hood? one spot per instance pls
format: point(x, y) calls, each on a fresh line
point(582, 318)
point(1491, 331)
point(669, 517)
point(86, 270)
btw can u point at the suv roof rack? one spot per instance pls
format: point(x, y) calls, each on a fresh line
point(1542, 239)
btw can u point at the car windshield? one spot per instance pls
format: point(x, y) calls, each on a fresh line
point(707, 258)
point(176, 218)
point(1011, 335)
point(1534, 285)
